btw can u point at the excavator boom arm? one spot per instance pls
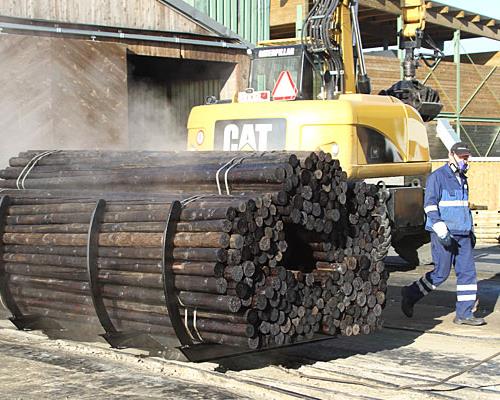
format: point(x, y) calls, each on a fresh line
point(413, 12)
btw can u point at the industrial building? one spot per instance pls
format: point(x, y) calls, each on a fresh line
point(107, 77)
point(139, 70)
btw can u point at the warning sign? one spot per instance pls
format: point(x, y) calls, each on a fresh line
point(285, 88)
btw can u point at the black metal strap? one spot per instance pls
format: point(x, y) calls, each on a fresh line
point(93, 270)
point(5, 293)
point(168, 274)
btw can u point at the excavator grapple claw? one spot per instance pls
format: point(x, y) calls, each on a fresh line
point(421, 97)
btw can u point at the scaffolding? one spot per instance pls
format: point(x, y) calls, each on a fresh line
point(459, 116)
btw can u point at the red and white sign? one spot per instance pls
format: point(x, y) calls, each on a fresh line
point(285, 88)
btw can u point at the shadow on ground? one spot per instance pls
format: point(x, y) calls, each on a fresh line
point(399, 332)
point(329, 349)
point(489, 292)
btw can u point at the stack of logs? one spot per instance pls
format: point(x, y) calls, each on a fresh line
point(269, 248)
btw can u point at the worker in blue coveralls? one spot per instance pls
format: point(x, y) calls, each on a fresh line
point(449, 222)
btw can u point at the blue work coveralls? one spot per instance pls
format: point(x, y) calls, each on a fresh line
point(447, 201)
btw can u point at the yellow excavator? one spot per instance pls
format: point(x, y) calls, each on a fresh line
point(314, 94)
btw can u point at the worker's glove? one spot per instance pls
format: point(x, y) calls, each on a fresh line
point(449, 243)
point(446, 240)
point(441, 230)
point(473, 239)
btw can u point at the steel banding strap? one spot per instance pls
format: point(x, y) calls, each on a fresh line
point(168, 277)
point(93, 269)
point(5, 295)
point(186, 324)
point(194, 198)
point(30, 165)
point(219, 189)
point(195, 327)
point(230, 164)
point(186, 321)
point(238, 162)
point(184, 203)
point(448, 378)
point(186, 316)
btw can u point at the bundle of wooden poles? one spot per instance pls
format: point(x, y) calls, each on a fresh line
point(269, 248)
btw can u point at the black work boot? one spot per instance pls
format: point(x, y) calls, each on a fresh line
point(407, 301)
point(471, 321)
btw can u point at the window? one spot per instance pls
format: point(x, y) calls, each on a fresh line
point(376, 147)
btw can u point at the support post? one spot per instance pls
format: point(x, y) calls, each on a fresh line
point(93, 270)
point(299, 21)
point(20, 320)
point(401, 55)
point(5, 294)
point(168, 277)
point(116, 338)
point(456, 60)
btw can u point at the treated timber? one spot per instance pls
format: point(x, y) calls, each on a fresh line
point(245, 272)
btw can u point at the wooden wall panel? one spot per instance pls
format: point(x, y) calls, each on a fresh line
point(25, 89)
point(384, 71)
point(61, 93)
point(133, 14)
point(89, 93)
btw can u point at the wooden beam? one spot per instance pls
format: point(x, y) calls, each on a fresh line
point(368, 13)
point(475, 18)
point(460, 14)
point(444, 10)
point(383, 5)
point(491, 22)
point(380, 18)
point(465, 25)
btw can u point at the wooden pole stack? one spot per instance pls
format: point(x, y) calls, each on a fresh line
point(293, 250)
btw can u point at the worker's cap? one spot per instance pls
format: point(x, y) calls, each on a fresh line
point(460, 149)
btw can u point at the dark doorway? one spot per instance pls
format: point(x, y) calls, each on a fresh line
point(161, 93)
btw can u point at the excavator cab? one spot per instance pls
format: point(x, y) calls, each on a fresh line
point(268, 63)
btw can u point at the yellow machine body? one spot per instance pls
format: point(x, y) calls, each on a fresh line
point(413, 17)
point(372, 136)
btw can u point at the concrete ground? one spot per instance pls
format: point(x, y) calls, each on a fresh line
point(405, 360)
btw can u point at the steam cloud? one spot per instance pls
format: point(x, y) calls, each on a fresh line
point(53, 102)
